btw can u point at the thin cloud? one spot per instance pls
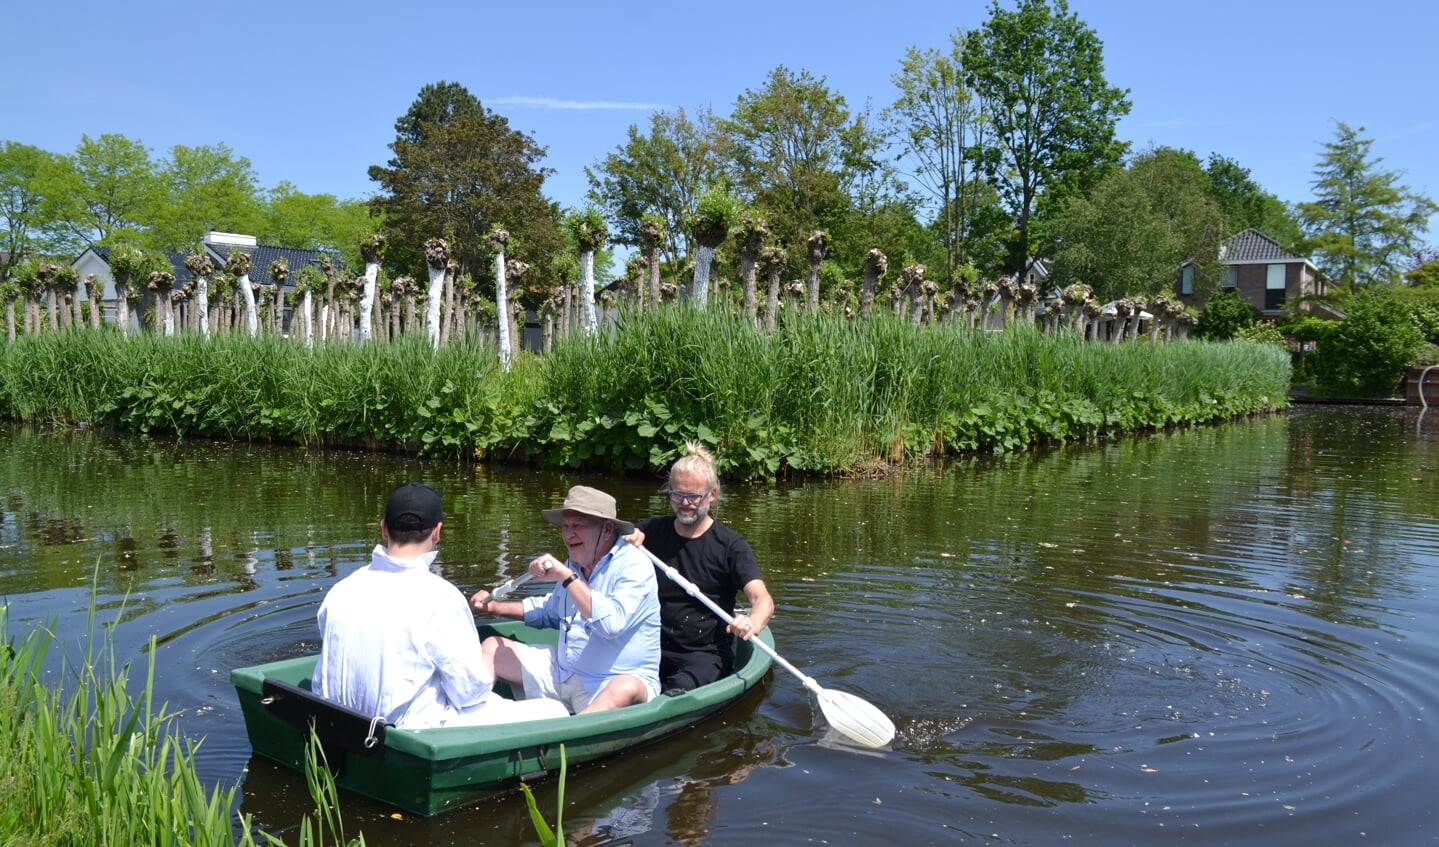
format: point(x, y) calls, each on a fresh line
point(580, 105)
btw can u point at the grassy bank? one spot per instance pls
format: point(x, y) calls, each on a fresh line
point(822, 395)
point(91, 763)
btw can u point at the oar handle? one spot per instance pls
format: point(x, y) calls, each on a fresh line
point(693, 590)
point(510, 585)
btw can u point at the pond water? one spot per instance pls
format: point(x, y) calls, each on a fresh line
point(1225, 635)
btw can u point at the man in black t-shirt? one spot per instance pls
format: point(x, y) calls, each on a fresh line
point(695, 646)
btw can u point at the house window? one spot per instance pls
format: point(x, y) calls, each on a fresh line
point(1274, 287)
point(1231, 279)
point(1186, 280)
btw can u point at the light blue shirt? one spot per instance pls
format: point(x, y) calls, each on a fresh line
point(622, 634)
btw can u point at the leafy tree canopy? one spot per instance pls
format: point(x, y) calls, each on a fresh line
point(1362, 222)
point(1040, 70)
point(1245, 205)
point(459, 180)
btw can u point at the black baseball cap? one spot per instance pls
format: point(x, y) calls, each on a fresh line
point(413, 506)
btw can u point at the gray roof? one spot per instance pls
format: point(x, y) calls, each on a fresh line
point(1251, 245)
point(260, 258)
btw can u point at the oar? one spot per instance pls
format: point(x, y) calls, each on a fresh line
point(847, 713)
point(510, 585)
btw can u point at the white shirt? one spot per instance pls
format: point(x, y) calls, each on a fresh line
point(400, 642)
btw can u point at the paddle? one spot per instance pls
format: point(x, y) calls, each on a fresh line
point(510, 585)
point(852, 716)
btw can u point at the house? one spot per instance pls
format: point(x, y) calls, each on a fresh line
point(96, 260)
point(1260, 271)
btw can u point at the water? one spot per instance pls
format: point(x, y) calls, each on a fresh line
point(1224, 635)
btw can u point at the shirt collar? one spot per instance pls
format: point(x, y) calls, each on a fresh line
point(379, 556)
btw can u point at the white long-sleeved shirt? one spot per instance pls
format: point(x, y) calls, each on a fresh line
point(400, 642)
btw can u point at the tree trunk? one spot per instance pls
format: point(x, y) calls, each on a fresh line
point(432, 305)
point(587, 292)
point(307, 319)
point(700, 287)
point(252, 317)
point(502, 309)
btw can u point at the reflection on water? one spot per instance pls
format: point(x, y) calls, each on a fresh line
point(1215, 636)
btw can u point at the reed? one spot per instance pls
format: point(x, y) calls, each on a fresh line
point(823, 394)
point(91, 763)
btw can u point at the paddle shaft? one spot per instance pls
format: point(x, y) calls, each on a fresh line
point(693, 590)
point(510, 585)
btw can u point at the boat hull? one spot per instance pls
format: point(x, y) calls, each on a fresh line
point(430, 771)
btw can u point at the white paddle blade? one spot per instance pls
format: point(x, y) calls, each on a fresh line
point(856, 718)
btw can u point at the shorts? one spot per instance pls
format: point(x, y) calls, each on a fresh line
point(537, 665)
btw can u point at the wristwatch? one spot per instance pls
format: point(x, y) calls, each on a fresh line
point(569, 579)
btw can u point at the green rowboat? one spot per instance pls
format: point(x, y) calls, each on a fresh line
point(429, 771)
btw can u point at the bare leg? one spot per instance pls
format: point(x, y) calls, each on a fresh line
point(503, 663)
point(623, 690)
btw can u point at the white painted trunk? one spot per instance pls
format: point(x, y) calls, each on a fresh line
point(202, 304)
point(168, 320)
point(587, 292)
point(502, 311)
point(367, 300)
point(252, 318)
point(700, 290)
point(307, 324)
point(432, 306)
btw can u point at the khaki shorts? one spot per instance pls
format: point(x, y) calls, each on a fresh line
point(537, 665)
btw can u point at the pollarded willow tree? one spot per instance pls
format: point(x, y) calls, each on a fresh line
point(437, 260)
point(498, 239)
point(237, 262)
point(201, 267)
point(752, 235)
point(716, 214)
point(587, 227)
point(372, 250)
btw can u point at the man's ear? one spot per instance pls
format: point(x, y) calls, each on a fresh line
point(435, 533)
point(384, 532)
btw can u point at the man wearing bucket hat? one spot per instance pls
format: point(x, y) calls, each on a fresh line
point(605, 604)
point(399, 642)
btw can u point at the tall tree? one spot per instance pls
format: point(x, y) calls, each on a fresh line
point(460, 177)
point(204, 188)
point(662, 173)
point(1040, 69)
point(1246, 205)
point(792, 139)
point(940, 124)
point(27, 207)
point(322, 222)
point(1363, 223)
point(1129, 234)
point(109, 191)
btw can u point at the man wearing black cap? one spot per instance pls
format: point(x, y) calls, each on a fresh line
point(400, 642)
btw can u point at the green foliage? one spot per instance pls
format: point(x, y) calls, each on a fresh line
point(587, 227)
point(1244, 204)
point(548, 837)
point(92, 763)
point(717, 213)
point(1041, 70)
point(1367, 353)
point(822, 394)
point(660, 175)
point(459, 171)
point(1224, 315)
point(1131, 232)
point(1261, 332)
point(1362, 222)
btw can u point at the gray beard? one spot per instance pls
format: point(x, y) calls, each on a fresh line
point(700, 514)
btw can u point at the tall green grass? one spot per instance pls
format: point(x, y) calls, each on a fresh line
point(822, 395)
point(86, 762)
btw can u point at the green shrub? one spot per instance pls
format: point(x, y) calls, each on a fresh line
point(1224, 314)
point(1366, 354)
point(1262, 332)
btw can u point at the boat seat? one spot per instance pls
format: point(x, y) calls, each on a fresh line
point(342, 731)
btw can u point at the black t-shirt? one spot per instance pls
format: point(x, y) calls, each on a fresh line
point(720, 563)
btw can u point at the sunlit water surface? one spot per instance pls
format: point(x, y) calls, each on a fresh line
point(1217, 636)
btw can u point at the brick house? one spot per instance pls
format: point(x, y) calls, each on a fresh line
point(1260, 271)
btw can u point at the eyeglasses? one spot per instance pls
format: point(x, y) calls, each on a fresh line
point(687, 497)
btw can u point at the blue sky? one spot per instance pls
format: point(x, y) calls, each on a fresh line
point(309, 91)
